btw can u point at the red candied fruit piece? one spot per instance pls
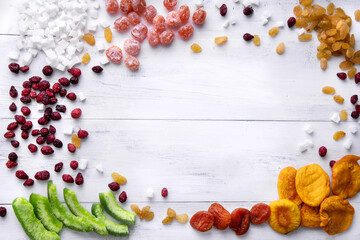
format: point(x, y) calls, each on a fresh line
point(153, 37)
point(247, 37)
point(82, 134)
point(134, 18)
point(71, 96)
point(354, 99)
point(15, 143)
point(139, 32)
point(12, 107)
point(67, 178)
point(125, 6)
point(184, 13)
point(260, 213)
point(26, 111)
point(24, 68)
point(114, 54)
point(223, 10)
point(170, 4)
point(240, 221)
point(42, 175)
point(56, 87)
point(132, 47)
point(164, 192)
point(12, 126)
point(74, 165)
point(150, 13)
point(139, 6)
point(202, 221)
point(64, 82)
point(97, 69)
point(167, 37)
point(20, 174)
point(342, 75)
point(331, 163)
point(199, 16)
point(50, 139)
point(25, 92)
point(248, 11)
point(14, 67)
point(111, 6)
point(13, 92)
point(58, 167)
point(121, 24)
point(222, 217)
point(29, 182)
point(76, 72)
point(173, 19)
point(122, 197)
point(11, 164)
point(79, 179)
point(9, 134)
point(47, 150)
point(76, 113)
point(24, 135)
point(114, 186)
point(12, 156)
point(159, 23)
point(186, 31)
point(47, 70)
point(132, 63)
point(35, 79)
point(71, 147)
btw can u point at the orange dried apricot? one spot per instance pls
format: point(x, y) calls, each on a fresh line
point(222, 217)
point(240, 221)
point(108, 34)
point(286, 185)
point(310, 216)
point(202, 221)
point(285, 216)
point(260, 213)
point(89, 38)
point(76, 141)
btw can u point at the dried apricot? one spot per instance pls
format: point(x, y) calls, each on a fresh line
point(76, 141)
point(196, 48)
point(171, 213)
point(259, 213)
point(240, 221)
point(310, 216)
point(312, 184)
point(286, 185)
point(85, 58)
point(336, 215)
point(285, 216)
point(89, 38)
point(222, 217)
point(328, 90)
point(221, 40)
point(136, 209)
point(118, 178)
point(345, 177)
point(338, 135)
point(108, 34)
point(202, 221)
point(114, 54)
point(183, 218)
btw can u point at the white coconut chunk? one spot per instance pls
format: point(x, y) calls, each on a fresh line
point(233, 21)
point(92, 26)
point(335, 118)
point(149, 193)
point(218, 3)
point(68, 130)
point(199, 3)
point(104, 60)
point(226, 24)
point(348, 144)
point(99, 168)
point(83, 164)
point(81, 96)
point(27, 59)
point(255, 2)
point(279, 24)
point(353, 129)
point(94, 14)
point(300, 31)
point(302, 147)
point(309, 129)
point(309, 143)
point(14, 55)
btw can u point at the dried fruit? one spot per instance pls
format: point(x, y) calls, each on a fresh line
point(12, 126)
point(2, 211)
point(76, 72)
point(150, 13)
point(357, 15)
point(164, 192)
point(199, 16)
point(42, 175)
point(328, 90)
point(153, 37)
point(183, 218)
point(139, 6)
point(13, 92)
point(343, 115)
point(118, 178)
point(259, 213)
point(305, 37)
point(58, 167)
point(354, 99)
point(76, 141)
point(195, 48)
point(122, 197)
point(256, 40)
point(28, 182)
point(144, 211)
point(323, 63)
point(20, 174)
point(76, 113)
point(47, 70)
point(112, 6)
point(222, 217)
point(125, 6)
point(248, 11)
point(338, 135)
point(310, 216)
point(114, 54)
point(47, 150)
point(12, 107)
point(342, 75)
point(132, 63)
point(184, 13)
point(171, 213)
point(273, 31)
point(134, 18)
point(26, 111)
point(67, 178)
point(322, 151)
point(240, 221)
point(221, 40)
point(97, 69)
point(149, 216)
point(85, 58)
point(223, 10)
point(9, 134)
point(173, 19)
point(170, 4)
point(135, 208)
point(15, 143)
point(24, 69)
point(57, 143)
point(79, 179)
point(89, 38)
point(336, 215)
point(202, 221)
point(280, 48)
point(82, 134)
point(132, 47)
point(159, 23)
point(286, 185)
point(312, 184)
point(167, 220)
point(167, 37)
point(186, 31)
point(352, 72)
point(11, 164)
point(248, 37)
point(32, 148)
point(71, 147)
point(285, 216)
point(74, 165)
point(291, 22)
point(114, 186)
point(120, 24)
point(14, 67)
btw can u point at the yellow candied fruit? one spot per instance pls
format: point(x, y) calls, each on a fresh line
point(346, 65)
point(171, 212)
point(280, 48)
point(149, 216)
point(195, 48)
point(221, 40)
point(338, 99)
point(330, 8)
point(323, 63)
point(305, 2)
point(297, 11)
point(135, 208)
point(273, 31)
point(343, 115)
point(328, 90)
point(183, 218)
point(167, 220)
point(76, 141)
point(108, 34)
point(89, 38)
point(305, 37)
point(338, 135)
point(86, 58)
point(357, 15)
point(118, 178)
point(352, 72)
point(144, 211)
point(256, 40)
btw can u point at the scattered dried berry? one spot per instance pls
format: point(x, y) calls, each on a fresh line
point(15, 143)
point(248, 37)
point(13, 156)
point(42, 175)
point(14, 67)
point(248, 11)
point(26, 111)
point(331, 163)
point(13, 92)
point(118, 178)
point(24, 135)
point(291, 22)
point(12, 126)
point(342, 75)
point(122, 197)
point(29, 182)
point(74, 80)
point(322, 151)
point(354, 114)
point(195, 48)
point(338, 135)
point(97, 69)
point(223, 10)
point(114, 186)
point(57, 143)
point(354, 99)
point(71, 147)
point(32, 148)
point(82, 134)
point(11, 164)
point(71, 96)
point(58, 167)
point(67, 178)
point(20, 174)
point(12, 107)
point(74, 165)
point(164, 192)
point(47, 150)
point(89, 38)
point(24, 69)
point(2, 211)
point(47, 70)
point(60, 108)
point(55, 116)
point(9, 134)
point(79, 179)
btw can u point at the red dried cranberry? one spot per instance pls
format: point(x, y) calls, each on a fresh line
point(29, 182)
point(164, 192)
point(50, 92)
point(331, 163)
point(248, 11)
point(47, 150)
point(40, 140)
point(15, 143)
point(27, 126)
point(341, 75)
point(56, 87)
point(354, 114)
point(2, 211)
point(357, 108)
point(40, 96)
point(9, 134)
point(13, 156)
point(43, 121)
point(35, 132)
point(25, 92)
point(42, 175)
point(97, 69)
point(357, 77)
point(27, 84)
point(75, 72)
point(79, 180)
point(322, 151)
point(12, 126)
point(71, 147)
point(57, 143)
point(13, 92)
point(53, 100)
point(20, 174)
point(82, 134)
point(55, 116)
point(14, 67)
point(76, 113)
point(122, 197)
point(26, 111)
point(46, 99)
point(11, 164)
point(25, 100)
point(43, 85)
point(248, 37)
point(24, 69)
point(35, 86)
point(223, 10)
point(74, 165)
point(74, 80)
point(20, 119)
point(71, 96)
point(291, 22)
point(50, 139)
point(48, 111)
point(35, 79)
point(63, 93)
point(60, 108)
point(64, 81)
point(12, 107)
point(32, 148)
point(44, 132)
point(24, 135)
point(33, 94)
point(47, 70)
point(354, 99)
point(52, 129)
point(114, 186)
point(67, 178)
point(58, 167)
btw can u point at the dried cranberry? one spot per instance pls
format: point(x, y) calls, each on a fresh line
point(79, 180)
point(13, 92)
point(52, 129)
point(223, 10)
point(97, 69)
point(50, 92)
point(164, 192)
point(248, 37)
point(71, 96)
point(12, 107)
point(32, 148)
point(50, 139)
point(74, 80)
point(20, 174)
point(25, 92)
point(57, 143)
point(82, 134)
point(15, 143)
point(341, 75)
point(354, 114)
point(331, 163)
point(26, 84)
point(64, 81)
point(27, 126)
point(46, 99)
point(248, 11)
point(48, 111)
point(11, 164)
point(357, 108)
point(42, 175)
point(24, 135)
point(60, 108)
point(35, 79)
point(76, 113)
point(55, 116)
point(44, 132)
point(14, 67)
point(122, 197)
point(47, 150)
point(47, 70)
point(322, 151)
point(25, 100)
point(71, 147)
point(357, 78)
point(43, 121)
point(13, 156)
point(53, 100)
point(354, 99)
point(114, 186)
point(20, 119)
point(35, 86)
point(74, 165)
point(58, 167)
point(291, 22)
point(40, 140)
point(33, 94)
point(67, 178)
point(12, 126)
point(26, 111)
point(24, 69)
point(29, 182)
point(43, 85)
point(63, 93)
point(2, 211)
point(40, 96)
point(9, 134)
point(75, 72)
point(35, 132)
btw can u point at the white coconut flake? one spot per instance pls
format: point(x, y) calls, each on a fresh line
point(218, 3)
point(309, 143)
point(302, 147)
point(83, 164)
point(348, 144)
point(14, 55)
point(335, 118)
point(353, 129)
point(149, 193)
point(99, 168)
point(309, 129)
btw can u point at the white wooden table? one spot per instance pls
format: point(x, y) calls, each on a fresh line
point(215, 126)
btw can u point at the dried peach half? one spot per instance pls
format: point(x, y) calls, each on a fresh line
point(346, 177)
point(285, 216)
point(312, 184)
point(286, 185)
point(336, 215)
point(310, 216)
